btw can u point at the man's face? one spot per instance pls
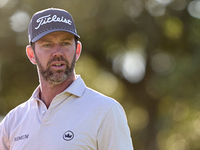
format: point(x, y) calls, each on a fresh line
point(55, 56)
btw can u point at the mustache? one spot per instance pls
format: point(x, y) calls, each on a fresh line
point(60, 58)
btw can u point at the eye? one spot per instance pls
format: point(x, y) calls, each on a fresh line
point(47, 45)
point(65, 43)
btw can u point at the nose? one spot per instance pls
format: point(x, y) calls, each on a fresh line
point(57, 50)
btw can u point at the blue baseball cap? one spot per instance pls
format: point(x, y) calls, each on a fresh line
point(50, 20)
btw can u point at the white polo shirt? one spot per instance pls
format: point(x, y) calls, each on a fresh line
point(79, 118)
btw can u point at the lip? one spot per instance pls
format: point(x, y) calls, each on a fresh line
point(58, 64)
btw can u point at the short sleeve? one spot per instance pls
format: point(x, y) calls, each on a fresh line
point(114, 133)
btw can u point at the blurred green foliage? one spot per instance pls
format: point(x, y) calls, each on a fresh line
point(143, 53)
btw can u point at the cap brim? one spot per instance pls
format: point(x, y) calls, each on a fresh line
point(50, 31)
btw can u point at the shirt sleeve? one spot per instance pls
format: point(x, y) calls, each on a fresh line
point(114, 133)
point(4, 144)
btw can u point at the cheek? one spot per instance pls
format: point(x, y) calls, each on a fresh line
point(73, 57)
point(69, 55)
point(42, 59)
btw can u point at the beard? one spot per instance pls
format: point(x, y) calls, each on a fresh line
point(59, 76)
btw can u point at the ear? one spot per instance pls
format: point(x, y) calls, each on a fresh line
point(30, 54)
point(78, 50)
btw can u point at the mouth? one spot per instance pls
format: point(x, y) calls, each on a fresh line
point(57, 64)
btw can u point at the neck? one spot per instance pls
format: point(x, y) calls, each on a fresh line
point(49, 91)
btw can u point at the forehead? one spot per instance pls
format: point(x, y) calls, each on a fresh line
point(58, 35)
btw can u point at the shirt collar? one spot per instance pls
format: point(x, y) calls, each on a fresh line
point(36, 93)
point(76, 88)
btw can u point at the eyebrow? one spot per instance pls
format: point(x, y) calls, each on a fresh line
point(66, 38)
point(45, 40)
point(62, 38)
point(49, 39)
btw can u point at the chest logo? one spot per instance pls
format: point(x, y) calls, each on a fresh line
point(68, 135)
point(22, 137)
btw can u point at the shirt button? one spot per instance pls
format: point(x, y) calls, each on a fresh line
point(43, 112)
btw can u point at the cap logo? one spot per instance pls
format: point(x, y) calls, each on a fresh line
point(48, 19)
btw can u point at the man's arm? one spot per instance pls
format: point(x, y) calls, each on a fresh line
point(114, 133)
point(4, 144)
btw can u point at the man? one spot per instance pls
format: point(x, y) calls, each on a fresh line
point(62, 113)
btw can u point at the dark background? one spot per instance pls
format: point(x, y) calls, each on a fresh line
point(143, 53)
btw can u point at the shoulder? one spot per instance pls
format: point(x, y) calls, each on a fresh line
point(16, 113)
point(98, 97)
point(23, 107)
point(89, 95)
point(99, 101)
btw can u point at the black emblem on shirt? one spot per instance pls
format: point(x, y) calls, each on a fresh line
point(22, 137)
point(68, 135)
